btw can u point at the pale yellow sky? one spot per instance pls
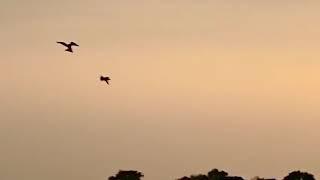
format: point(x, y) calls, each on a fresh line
point(195, 85)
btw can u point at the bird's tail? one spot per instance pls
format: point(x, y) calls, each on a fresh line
point(69, 49)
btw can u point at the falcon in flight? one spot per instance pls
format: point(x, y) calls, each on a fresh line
point(106, 79)
point(69, 46)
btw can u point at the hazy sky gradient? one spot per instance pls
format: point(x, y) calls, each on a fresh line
point(195, 85)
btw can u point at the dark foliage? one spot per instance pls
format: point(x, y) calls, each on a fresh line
point(214, 174)
point(127, 175)
point(298, 175)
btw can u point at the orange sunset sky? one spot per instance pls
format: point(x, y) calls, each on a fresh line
point(195, 85)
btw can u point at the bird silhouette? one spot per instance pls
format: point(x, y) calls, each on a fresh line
point(69, 46)
point(106, 79)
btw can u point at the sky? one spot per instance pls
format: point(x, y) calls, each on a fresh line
point(195, 85)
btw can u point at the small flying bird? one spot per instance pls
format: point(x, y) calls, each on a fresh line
point(69, 46)
point(106, 79)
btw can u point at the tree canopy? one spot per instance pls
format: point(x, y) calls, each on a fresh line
point(127, 175)
point(298, 175)
point(214, 174)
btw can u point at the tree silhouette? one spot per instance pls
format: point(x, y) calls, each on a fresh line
point(184, 178)
point(199, 177)
point(127, 175)
point(214, 174)
point(298, 175)
point(233, 178)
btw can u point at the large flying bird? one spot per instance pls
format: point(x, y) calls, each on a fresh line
point(69, 46)
point(106, 79)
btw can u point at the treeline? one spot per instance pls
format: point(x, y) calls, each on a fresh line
point(214, 174)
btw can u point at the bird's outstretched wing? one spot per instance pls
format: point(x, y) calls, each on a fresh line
point(63, 43)
point(74, 44)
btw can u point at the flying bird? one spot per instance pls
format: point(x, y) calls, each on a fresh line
point(106, 79)
point(69, 46)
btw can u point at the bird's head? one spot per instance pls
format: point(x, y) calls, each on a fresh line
point(73, 44)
